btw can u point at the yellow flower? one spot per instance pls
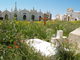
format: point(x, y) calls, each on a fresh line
point(38, 22)
point(73, 21)
point(17, 22)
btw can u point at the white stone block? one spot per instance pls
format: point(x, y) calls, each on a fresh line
point(74, 38)
point(75, 35)
point(45, 48)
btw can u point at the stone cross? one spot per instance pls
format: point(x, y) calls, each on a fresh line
point(58, 39)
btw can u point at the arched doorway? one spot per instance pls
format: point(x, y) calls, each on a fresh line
point(1, 18)
point(6, 16)
point(24, 17)
point(68, 18)
point(75, 19)
point(33, 17)
point(39, 18)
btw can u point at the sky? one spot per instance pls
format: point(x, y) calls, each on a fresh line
point(54, 6)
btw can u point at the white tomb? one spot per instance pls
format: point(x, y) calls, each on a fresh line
point(45, 48)
point(74, 37)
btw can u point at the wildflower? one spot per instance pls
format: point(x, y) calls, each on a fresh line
point(17, 46)
point(9, 47)
point(17, 22)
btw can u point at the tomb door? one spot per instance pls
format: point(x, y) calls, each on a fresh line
point(33, 17)
point(24, 17)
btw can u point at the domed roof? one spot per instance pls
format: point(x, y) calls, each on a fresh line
point(6, 11)
point(24, 10)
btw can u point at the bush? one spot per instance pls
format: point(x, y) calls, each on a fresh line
point(62, 54)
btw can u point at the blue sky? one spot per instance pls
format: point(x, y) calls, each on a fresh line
point(54, 6)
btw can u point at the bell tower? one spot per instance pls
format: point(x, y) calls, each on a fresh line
point(15, 11)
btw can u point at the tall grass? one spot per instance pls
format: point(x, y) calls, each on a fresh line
point(11, 31)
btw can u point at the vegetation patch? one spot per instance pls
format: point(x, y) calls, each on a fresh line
point(12, 32)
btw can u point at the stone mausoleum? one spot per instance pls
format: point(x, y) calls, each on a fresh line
point(30, 15)
point(70, 15)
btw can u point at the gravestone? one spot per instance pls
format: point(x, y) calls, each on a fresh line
point(59, 34)
point(58, 39)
